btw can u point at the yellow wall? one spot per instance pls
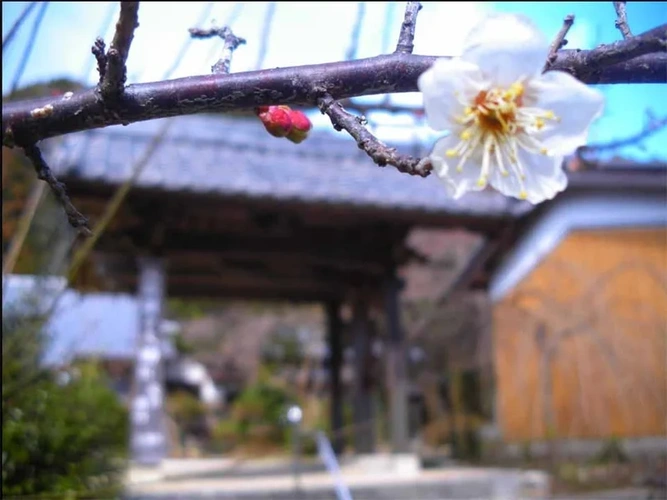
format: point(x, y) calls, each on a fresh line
point(601, 297)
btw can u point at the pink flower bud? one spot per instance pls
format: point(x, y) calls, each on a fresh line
point(276, 119)
point(300, 127)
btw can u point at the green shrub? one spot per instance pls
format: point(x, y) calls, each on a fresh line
point(59, 437)
point(257, 417)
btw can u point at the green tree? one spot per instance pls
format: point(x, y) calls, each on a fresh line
point(60, 435)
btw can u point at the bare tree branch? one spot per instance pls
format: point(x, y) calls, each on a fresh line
point(406, 37)
point(75, 218)
point(379, 152)
point(17, 24)
point(113, 82)
point(351, 52)
point(30, 45)
point(641, 59)
point(622, 20)
point(653, 125)
point(99, 51)
point(266, 32)
point(560, 41)
point(184, 48)
point(232, 42)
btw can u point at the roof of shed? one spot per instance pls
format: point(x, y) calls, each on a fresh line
point(235, 157)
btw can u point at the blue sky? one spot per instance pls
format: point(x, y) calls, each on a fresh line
point(299, 35)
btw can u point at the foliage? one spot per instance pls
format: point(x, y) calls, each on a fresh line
point(612, 452)
point(284, 347)
point(257, 417)
point(182, 346)
point(186, 410)
point(61, 435)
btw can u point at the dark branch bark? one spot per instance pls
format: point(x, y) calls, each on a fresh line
point(406, 37)
point(75, 218)
point(622, 20)
point(231, 43)
point(560, 41)
point(99, 52)
point(379, 152)
point(113, 82)
point(25, 122)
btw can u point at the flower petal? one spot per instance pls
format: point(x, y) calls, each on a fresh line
point(507, 47)
point(456, 183)
point(576, 104)
point(441, 84)
point(544, 178)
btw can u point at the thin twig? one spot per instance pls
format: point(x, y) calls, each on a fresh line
point(379, 152)
point(17, 24)
point(560, 41)
point(389, 15)
point(351, 52)
point(75, 218)
point(99, 51)
point(115, 75)
point(654, 125)
point(640, 59)
point(622, 20)
point(186, 45)
point(406, 37)
point(30, 45)
point(232, 42)
point(116, 201)
point(104, 28)
point(266, 32)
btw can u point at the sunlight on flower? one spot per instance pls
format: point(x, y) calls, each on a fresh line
point(510, 125)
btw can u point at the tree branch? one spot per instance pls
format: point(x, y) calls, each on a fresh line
point(75, 218)
point(351, 52)
point(622, 20)
point(24, 122)
point(379, 152)
point(652, 126)
point(29, 46)
point(17, 24)
point(266, 32)
point(559, 42)
point(231, 43)
point(406, 37)
point(113, 81)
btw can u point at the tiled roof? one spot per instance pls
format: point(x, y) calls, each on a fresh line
point(236, 157)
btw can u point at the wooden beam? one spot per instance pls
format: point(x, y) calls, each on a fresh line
point(362, 408)
point(397, 372)
point(335, 340)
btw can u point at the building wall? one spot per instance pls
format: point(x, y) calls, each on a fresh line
point(580, 345)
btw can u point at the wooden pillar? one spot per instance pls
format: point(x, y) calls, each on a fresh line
point(363, 414)
point(335, 339)
point(148, 429)
point(396, 362)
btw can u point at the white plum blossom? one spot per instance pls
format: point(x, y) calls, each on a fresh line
point(510, 125)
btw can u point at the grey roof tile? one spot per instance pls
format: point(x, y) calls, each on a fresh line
point(231, 156)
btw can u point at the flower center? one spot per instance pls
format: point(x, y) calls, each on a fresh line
point(498, 121)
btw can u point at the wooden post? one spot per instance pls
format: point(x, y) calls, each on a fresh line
point(363, 415)
point(148, 427)
point(397, 380)
point(334, 337)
